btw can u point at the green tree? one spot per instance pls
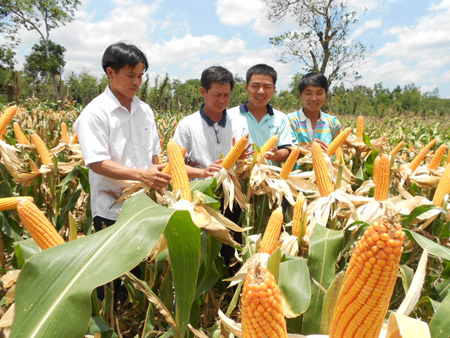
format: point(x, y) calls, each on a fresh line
point(82, 88)
point(41, 65)
point(321, 41)
point(41, 16)
point(187, 95)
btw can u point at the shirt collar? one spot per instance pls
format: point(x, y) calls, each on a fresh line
point(210, 122)
point(304, 118)
point(116, 101)
point(244, 108)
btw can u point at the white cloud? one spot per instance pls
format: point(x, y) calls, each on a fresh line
point(366, 26)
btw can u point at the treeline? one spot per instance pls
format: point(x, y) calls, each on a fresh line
point(167, 95)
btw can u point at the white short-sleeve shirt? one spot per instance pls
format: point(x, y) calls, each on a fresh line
point(108, 131)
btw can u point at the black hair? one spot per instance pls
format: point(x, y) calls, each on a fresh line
point(120, 54)
point(216, 74)
point(315, 79)
point(261, 69)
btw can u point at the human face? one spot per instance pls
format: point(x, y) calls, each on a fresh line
point(216, 98)
point(260, 90)
point(126, 82)
point(313, 98)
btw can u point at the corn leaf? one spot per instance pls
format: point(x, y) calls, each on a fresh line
point(427, 244)
point(440, 325)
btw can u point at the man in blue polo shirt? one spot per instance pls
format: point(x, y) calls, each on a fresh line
point(258, 117)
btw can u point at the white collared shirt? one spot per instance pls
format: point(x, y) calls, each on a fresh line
point(108, 131)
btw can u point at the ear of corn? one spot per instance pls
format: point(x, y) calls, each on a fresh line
point(166, 169)
point(437, 158)
point(270, 143)
point(19, 135)
point(369, 281)
point(299, 217)
point(397, 148)
point(180, 180)
point(289, 164)
point(338, 141)
point(10, 203)
point(448, 156)
point(39, 227)
point(74, 138)
point(262, 313)
point(360, 127)
point(418, 159)
point(381, 175)
point(340, 156)
point(272, 232)
point(443, 187)
point(321, 172)
point(64, 133)
point(235, 152)
point(41, 148)
point(431, 144)
point(6, 118)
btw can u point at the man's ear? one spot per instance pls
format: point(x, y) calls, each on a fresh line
point(110, 72)
point(203, 91)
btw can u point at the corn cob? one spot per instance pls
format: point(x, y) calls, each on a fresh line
point(180, 180)
point(41, 148)
point(321, 170)
point(262, 313)
point(339, 156)
point(369, 281)
point(10, 203)
point(448, 156)
point(300, 217)
point(235, 152)
point(443, 187)
point(270, 143)
point(381, 174)
point(74, 138)
point(19, 135)
point(431, 144)
point(166, 169)
point(289, 164)
point(418, 159)
point(397, 148)
point(360, 127)
point(272, 232)
point(64, 134)
point(39, 227)
point(338, 141)
point(437, 158)
point(6, 118)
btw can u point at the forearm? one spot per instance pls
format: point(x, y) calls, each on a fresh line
point(195, 172)
point(280, 155)
point(116, 170)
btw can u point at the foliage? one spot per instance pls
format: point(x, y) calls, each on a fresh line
point(39, 66)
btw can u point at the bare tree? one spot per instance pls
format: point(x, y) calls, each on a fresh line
point(321, 41)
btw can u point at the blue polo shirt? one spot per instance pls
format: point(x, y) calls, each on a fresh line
point(272, 123)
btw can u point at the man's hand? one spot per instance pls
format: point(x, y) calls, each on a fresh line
point(246, 153)
point(322, 144)
point(212, 168)
point(154, 178)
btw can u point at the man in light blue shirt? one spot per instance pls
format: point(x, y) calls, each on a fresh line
point(257, 116)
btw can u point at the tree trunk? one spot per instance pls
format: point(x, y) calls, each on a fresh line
point(10, 91)
point(55, 87)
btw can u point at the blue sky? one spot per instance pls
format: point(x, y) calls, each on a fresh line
point(408, 40)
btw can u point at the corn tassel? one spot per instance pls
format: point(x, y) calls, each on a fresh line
point(431, 144)
point(418, 159)
point(41, 148)
point(289, 164)
point(443, 188)
point(235, 152)
point(10, 203)
point(6, 118)
point(262, 313)
point(64, 133)
point(321, 172)
point(360, 127)
point(437, 158)
point(338, 141)
point(19, 135)
point(272, 232)
point(39, 227)
point(397, 148)
point(299, 217)
point(180, 180)
point(369, 281)
point(381, 175)
point(166, 169)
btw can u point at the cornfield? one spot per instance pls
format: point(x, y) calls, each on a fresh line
point(357, 241)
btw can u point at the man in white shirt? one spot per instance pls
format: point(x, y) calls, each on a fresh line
point(118, 135)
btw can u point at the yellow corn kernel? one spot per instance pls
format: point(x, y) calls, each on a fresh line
point(270, 144)
point(338, 141)
point(41, 148)
point(6, 118)
point(235, 152)
point(39, 227)
point(64, 133)
point(10, 203)
point(381, 175)
point(418, 159)
point(74, 138)
point(437, 158)
point(360, 127)
point(369, 283)
point(166, 169)
point(299, 217)
point(180, 180)
point(431, 144)
point(321, 172)
point(397, 148)
point(289, 164)
point(262, 312)
point(19, 135)
point(443, 187)
point(272, 232)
